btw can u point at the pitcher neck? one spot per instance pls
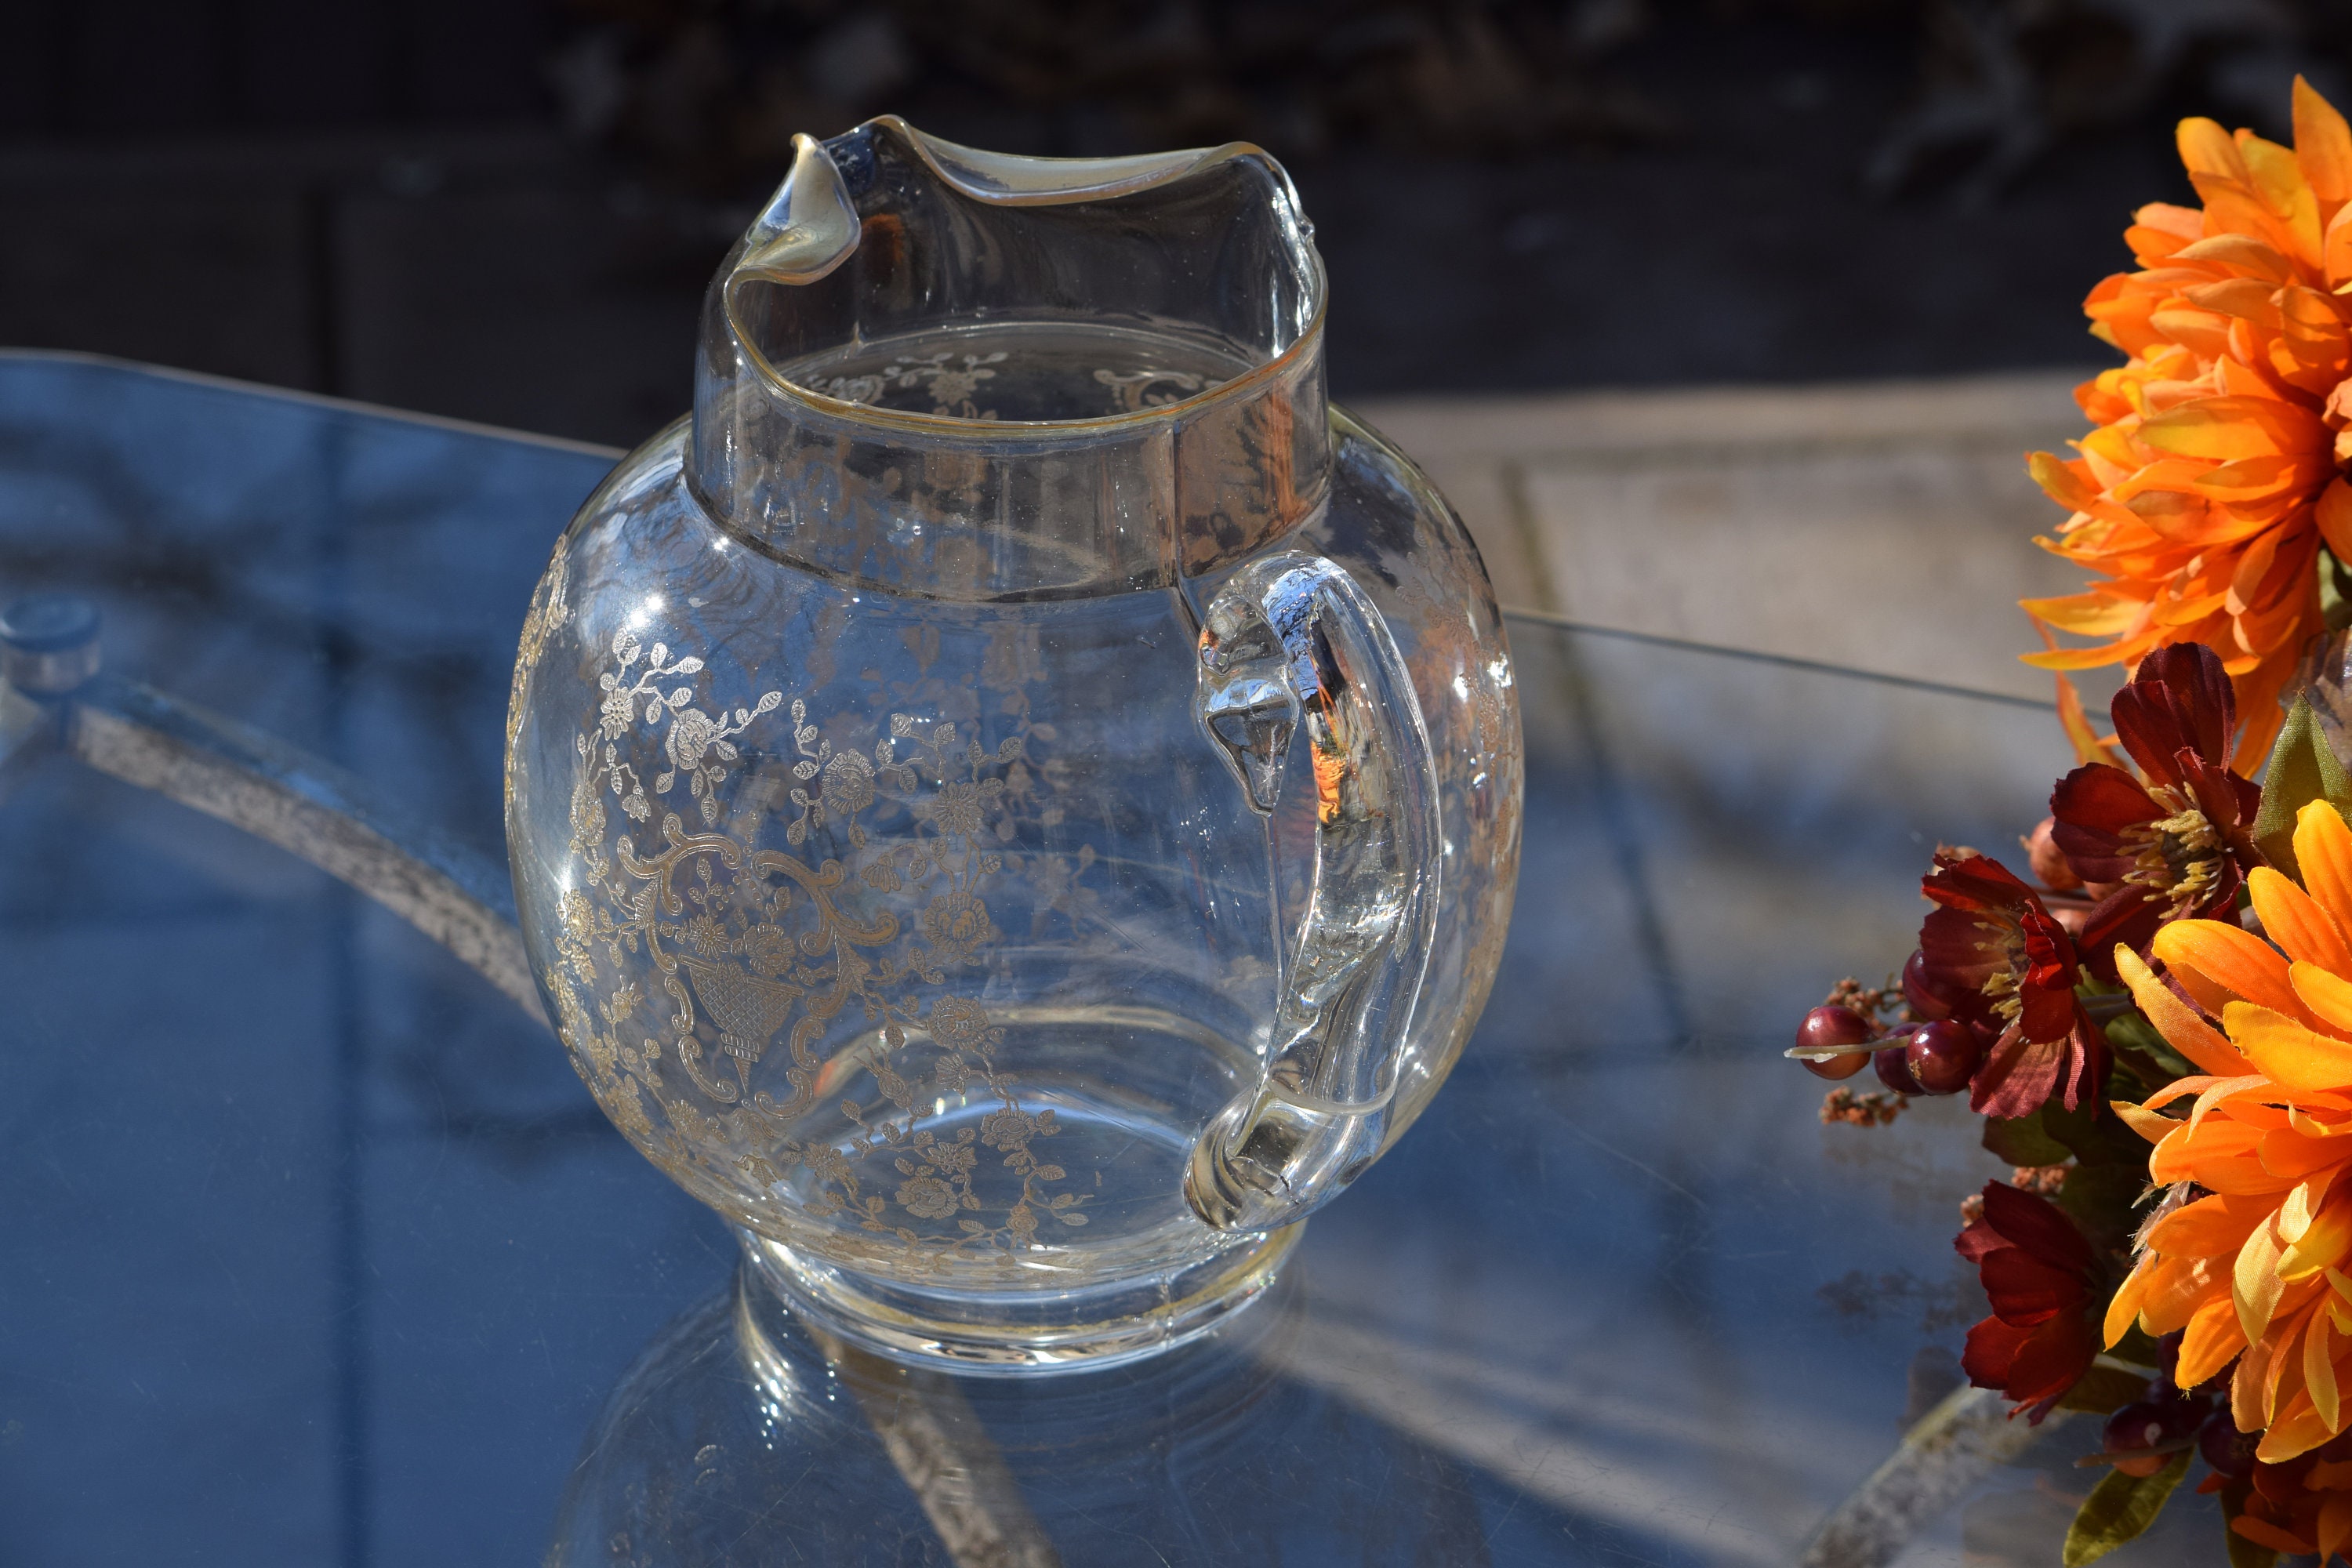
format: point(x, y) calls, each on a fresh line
point(944, 374)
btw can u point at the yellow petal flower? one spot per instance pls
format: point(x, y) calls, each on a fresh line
point(2177, 1022)
point(2212, 1337)
point(2219, 964)
point(2319, 1371)
point(2297, 1059)
point(2254, 1282)
point(2297, 923)
point(2322, 853)
point(2213, 1226)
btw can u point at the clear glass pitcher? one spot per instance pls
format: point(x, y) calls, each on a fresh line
point(1015, 802)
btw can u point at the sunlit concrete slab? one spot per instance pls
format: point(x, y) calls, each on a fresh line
point(1887, 526)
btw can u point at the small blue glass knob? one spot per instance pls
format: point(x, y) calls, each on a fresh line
point(48, 643)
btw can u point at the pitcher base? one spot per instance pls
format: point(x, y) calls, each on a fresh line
point(1099, 1325)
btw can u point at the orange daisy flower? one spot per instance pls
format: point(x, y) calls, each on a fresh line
point(2256, 1268)
point(2216, 471)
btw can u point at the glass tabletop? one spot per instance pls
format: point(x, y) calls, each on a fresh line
point(313, 1250)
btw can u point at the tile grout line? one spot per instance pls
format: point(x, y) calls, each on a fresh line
point(1513, 476)
point(1631, 865)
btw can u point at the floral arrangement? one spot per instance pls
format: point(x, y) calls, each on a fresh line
point(2155, 1021)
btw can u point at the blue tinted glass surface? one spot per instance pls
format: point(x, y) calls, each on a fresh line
point(313, 1250)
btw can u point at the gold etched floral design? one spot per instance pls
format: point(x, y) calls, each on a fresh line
point(951, 380)
point(954, 385)
point(695, 744)
point(547, 613)
point(1134, 391)
point(742, 945)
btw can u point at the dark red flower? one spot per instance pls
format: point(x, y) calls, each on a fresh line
point(1994, 945)
point(2036, 1268)
point(2177, 842)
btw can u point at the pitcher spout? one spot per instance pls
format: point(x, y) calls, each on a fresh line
point(945, 372)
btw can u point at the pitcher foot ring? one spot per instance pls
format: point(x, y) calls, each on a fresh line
point(1101, 1325)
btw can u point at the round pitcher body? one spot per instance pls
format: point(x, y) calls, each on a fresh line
point(928, 935)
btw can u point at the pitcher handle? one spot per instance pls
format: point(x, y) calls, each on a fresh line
point(1290, 641)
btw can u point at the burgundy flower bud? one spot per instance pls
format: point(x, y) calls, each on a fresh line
point(2048, 862)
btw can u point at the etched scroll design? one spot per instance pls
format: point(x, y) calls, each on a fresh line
point(951, 381)
point(546, 612)
point(744, 942)
point(954, 385)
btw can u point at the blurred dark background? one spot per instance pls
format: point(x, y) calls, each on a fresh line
point(505, 210)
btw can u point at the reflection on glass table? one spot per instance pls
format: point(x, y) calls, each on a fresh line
point(313, 1250)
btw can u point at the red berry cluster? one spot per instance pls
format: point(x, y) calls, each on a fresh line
point(1928, 1053)
point(2142, 1438)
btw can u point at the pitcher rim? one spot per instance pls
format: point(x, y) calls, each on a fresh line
point(1182, 163)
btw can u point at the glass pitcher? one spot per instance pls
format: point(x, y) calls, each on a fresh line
point(1015, 801)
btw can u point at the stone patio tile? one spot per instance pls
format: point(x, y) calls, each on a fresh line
point(1481, 489)
point(1886, 526)
point(1587, 978)
point(1841, 790)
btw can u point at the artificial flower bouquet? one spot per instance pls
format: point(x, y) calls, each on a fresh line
point(2155, 1021)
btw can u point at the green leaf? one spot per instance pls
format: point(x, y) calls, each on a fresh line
point(2099, 1199)
point(2118, 1509)
point(2051, 1135)
point(2104, 1390)
point(2136, 1349)
point(2302, 769)
point(2242, 1552)
point(2245, 1554)
point(2094, 1134)
point(2023, 1141)
point(2133, 1032)
point(2335, 592)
